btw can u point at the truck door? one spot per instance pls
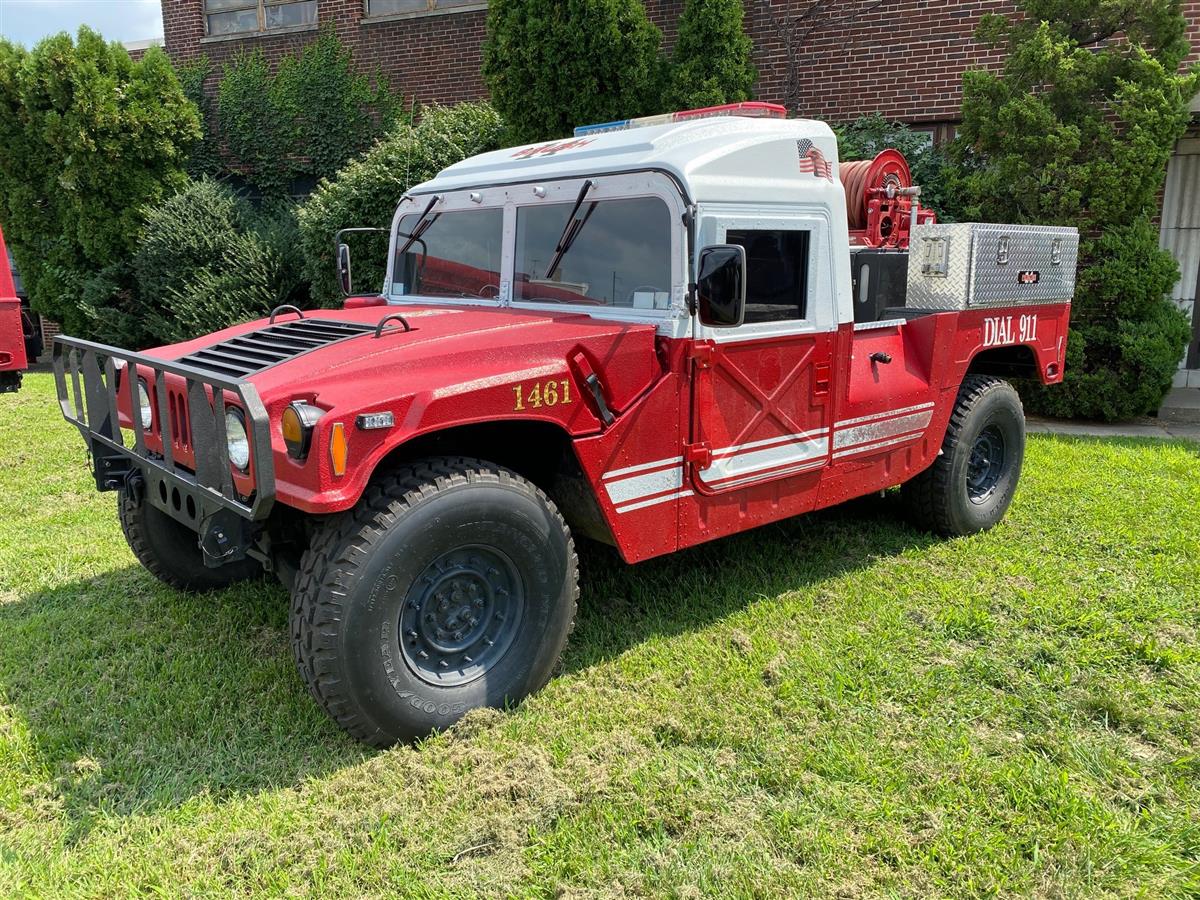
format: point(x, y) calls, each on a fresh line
point(761, 391)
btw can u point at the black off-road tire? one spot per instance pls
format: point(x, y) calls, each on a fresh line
point(970, 485)
point(422, 565)
point(170, 551)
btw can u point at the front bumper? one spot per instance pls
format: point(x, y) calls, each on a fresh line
point(206, 500)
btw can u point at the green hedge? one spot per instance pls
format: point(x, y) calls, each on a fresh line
point(208, 259)
point(367, 191)
point(89, 140)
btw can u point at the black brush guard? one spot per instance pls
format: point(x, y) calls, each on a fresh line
point(206, 501)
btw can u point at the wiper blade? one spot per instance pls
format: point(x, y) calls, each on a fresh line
point(422, 225)
point(570, 230)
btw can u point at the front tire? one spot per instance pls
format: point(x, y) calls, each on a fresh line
point(970, 485)
point(452, 585)
point(171, 552)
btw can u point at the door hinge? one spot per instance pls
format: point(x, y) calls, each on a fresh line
point(702, 355)
point(699, 454)
point(822, 373)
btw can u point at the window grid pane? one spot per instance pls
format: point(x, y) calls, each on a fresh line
point(235, 22)
point(213, 6)
point(287, 15)
point(393, 7)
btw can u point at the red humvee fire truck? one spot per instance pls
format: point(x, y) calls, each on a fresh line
point(13, 359)
point(653, 334)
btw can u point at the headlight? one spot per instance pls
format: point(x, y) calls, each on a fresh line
point(147, 410)
point(236, 439)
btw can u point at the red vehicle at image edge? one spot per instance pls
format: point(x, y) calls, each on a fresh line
point(13, 331)
point(653, 334)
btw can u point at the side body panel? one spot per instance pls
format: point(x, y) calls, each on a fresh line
point(887, 423)
point(12, 334)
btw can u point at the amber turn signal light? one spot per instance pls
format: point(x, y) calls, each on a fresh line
point(297, 422)
point(338, 451)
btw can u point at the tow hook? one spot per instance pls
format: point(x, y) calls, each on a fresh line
point(222, 540)
point(135, 487)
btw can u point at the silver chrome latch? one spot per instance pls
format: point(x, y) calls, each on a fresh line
point(1002, 251)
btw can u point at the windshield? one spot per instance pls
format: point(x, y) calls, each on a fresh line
point(458, 255)
point(618, 253)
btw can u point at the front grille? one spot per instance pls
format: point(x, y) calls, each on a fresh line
point(258, 350)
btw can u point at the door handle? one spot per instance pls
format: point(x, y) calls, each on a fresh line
point(880, 357)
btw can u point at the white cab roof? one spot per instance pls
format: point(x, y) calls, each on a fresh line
point(727, 159)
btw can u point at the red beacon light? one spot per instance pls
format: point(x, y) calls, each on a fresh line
point(751, 109)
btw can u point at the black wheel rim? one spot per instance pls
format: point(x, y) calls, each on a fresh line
point(461, 615)
point(986, 465)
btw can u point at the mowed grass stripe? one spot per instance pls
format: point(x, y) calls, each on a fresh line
point(837, 703)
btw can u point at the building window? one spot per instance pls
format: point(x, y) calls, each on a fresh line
point(248, 16)
point(378, 8)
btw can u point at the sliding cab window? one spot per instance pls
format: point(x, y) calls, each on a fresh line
point(456, 255)
point(776, 273)
point(614, 253)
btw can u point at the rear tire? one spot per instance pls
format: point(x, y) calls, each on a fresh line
point(452, 585)
point(171, 551)
point(970, 485)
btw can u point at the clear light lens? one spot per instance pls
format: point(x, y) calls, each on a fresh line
point(146, 410)
point(237, 440)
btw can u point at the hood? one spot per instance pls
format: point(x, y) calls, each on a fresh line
point(333, 356)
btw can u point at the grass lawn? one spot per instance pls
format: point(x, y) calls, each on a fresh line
point(834, 705)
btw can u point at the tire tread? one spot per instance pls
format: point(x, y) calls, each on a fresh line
point(341, 546)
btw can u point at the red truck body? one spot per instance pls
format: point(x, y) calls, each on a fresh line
point(12, 336)
point(739, 336)
point(680, 407)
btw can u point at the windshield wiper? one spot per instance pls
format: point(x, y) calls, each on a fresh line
point(421, 226)
point(570, 230)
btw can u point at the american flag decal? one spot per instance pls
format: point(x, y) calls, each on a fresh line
point(812, 160)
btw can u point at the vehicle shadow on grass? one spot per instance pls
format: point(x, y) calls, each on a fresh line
point(622, 606)
point(138, 698)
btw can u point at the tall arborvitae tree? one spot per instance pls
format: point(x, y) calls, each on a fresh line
point(711, 62)
point(1077, 130)
point(553, 64)
point(89, 141)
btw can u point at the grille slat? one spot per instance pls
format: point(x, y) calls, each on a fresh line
point(249, 353)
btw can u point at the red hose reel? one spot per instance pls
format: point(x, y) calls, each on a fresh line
point(881, 201)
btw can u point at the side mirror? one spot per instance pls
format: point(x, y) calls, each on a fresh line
point(343, 268)
point(721, 285)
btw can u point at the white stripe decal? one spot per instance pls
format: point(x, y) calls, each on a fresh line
point(778, 439)
point(879, 445)
point(661, 480)
point(885, 414)
point(761, 462)
point(873, 431)
point(638, 486)
point(653, 500)
point(642, 467)
point(785, 470)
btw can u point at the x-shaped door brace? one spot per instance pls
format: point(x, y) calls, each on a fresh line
point(768, 402)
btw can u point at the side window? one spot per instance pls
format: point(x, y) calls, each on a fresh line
point(777, 273)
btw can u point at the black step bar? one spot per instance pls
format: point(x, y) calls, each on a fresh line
point(85, 375)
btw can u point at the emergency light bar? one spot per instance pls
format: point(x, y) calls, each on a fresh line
point(753, 109)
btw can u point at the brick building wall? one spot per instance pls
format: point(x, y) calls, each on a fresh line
point(428, 57)
point(901, 58)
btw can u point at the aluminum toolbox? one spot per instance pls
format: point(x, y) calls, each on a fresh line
point(974, 265)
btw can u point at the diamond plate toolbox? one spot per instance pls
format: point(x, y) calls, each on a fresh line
point(974, 265)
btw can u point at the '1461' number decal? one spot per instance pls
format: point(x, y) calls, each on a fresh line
point(541, 393)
